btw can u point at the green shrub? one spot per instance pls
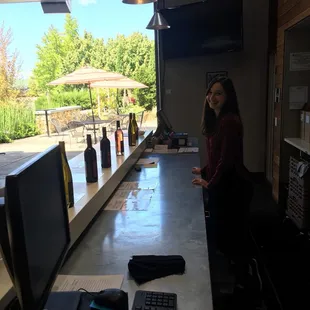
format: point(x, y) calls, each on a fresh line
point(64, 99)
point(16, 121)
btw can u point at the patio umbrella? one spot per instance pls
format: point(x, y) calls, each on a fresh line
point(124, 83)
point(87, 75)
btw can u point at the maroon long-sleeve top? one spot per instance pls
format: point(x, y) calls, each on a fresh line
point(225, 149)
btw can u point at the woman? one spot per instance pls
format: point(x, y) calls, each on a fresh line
point(225, 176)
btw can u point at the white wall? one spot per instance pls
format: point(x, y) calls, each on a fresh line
point(186, 78)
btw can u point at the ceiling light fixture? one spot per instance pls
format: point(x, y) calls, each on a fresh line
point(158, 22)
point(138, 1)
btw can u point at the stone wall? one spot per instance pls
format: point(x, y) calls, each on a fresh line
point(63, 115)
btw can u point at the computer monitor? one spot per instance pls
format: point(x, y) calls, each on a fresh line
point(5, 250)
point(38, 227)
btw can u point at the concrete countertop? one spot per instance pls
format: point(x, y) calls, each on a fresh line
point(172, 224)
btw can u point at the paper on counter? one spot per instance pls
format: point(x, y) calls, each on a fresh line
point(148, 162)
point(129, 185)
point(160, 147)
point(148, 150)
point(65, 283)
point(136, 205)
point(133, 194)
point(115, 204)
point(163, 149)
point(139, 185)
point(188, 150)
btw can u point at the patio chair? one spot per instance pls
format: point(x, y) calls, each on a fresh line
point(91, 127)
point(77, 130)
point(124, 122)
point(60, 130)
point(139, 119)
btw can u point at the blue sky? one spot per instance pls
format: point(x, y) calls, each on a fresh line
point(103, 18)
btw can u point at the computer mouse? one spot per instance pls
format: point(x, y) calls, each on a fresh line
point(113, 299)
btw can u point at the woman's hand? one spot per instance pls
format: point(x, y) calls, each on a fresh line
point(201, 182)
point(196, 170)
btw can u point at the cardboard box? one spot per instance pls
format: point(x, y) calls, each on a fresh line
point(307, 126)
point(302, 124)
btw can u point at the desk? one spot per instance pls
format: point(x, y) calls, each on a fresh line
point(173, 224)
point(89, 198)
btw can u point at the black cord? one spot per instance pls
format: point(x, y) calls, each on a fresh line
point(83, 290)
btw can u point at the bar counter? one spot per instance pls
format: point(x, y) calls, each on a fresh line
point(171, 222)
point(89, 198)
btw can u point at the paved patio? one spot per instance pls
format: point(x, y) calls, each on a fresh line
point(13, 155)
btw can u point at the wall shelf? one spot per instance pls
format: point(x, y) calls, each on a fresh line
point(300, 144)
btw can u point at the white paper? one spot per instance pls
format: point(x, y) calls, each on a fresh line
point(161, 147)
point(65, 283)
point(298, 97)
point(300, 61)
point(147, 162)
point(188, 150)
point(115, 204)
point(136, 205)
point(148, 150)
point(129, 185)
point(136, 185)
point(165, 151)
point(133, 194)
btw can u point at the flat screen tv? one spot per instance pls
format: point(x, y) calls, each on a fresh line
point(208, 27)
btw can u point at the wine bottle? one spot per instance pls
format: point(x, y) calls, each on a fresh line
point(105, 148)
point(90, 157)
point(119, 139)
point(67, 175)
point(135, 126)
point(131, 131)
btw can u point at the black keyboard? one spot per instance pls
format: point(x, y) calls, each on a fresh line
point(154, 301)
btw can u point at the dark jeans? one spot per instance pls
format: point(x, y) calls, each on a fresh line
point(227, 226)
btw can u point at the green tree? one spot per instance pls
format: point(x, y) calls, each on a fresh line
point(58, 54)
point(71, 46)
point(62, 53)
point(49, 64)
point(9, 66)
point(134, 56)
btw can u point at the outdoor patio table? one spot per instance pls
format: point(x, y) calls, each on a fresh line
point(96, 122)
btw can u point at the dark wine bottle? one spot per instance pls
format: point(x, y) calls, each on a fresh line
point(119, 139)
point(134, 122)
point(90, 157)
point(105, 148)
point(67, 175)
point(131, 132)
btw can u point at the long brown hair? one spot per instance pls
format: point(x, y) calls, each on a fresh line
point(209, 119)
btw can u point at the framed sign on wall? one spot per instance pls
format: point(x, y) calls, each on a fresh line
point(212, 75)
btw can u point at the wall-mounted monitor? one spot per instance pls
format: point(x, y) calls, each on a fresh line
point(203, 28)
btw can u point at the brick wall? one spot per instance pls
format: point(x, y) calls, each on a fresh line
point(290, 12)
